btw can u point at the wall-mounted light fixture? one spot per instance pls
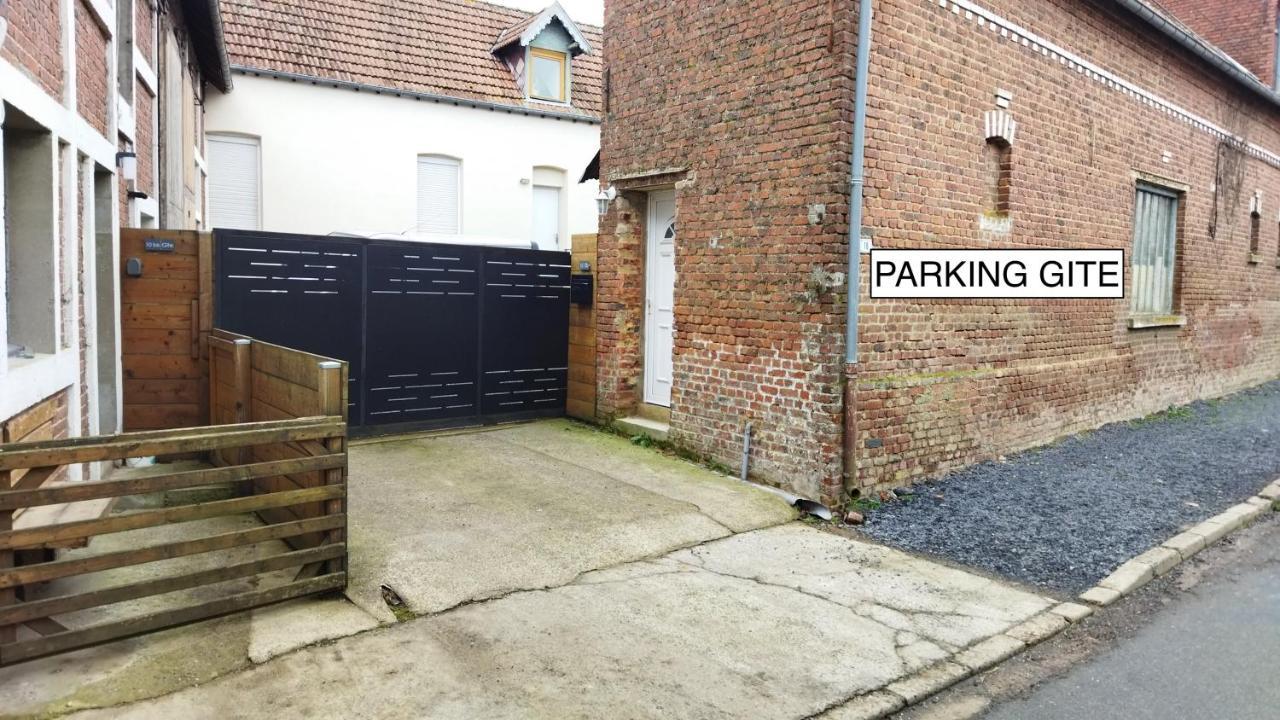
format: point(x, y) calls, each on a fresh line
point(128, 164)
point(605, 197)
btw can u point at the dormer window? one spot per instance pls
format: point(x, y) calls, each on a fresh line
point(539, 52)
point(548, 75)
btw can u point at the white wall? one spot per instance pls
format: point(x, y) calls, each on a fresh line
point(336, 160)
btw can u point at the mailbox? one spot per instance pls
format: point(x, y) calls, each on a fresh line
point(582, 289)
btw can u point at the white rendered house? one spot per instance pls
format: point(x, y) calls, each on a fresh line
point(461, 120)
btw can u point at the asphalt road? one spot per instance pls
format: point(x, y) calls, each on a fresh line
point(1213, 653)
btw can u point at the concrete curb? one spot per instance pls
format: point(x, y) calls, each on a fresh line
point(988, 653)
point(1181, 547)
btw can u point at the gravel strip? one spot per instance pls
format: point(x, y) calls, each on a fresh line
point(1063, 516)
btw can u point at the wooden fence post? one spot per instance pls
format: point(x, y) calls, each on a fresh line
point(243, 380)
point(8, 596)
point(333, 401)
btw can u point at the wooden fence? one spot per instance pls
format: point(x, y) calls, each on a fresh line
point(253, 381)
point(322, 564)
point(582, 340)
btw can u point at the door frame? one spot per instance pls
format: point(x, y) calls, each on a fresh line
point(653, 227)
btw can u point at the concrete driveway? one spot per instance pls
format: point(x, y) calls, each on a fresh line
point(556, 571)
point(451, 519)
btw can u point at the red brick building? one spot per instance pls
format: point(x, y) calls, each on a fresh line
point(990, 124)
point(86, 88)
point(1244, 29)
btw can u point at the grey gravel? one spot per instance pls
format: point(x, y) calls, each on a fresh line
point(1063, 516)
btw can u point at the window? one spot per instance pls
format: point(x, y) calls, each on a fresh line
point(547, 75)
point(439, 195)
point(1155, 246)
point(1255, 235)
point(235, 182)
point(30, 238)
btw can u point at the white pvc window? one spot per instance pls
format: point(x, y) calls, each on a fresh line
point(439, 195)
point(235, 182)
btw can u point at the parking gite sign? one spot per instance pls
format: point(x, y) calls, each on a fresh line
point(1002, 274)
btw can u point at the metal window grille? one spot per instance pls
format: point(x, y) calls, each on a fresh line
point(1155, 245)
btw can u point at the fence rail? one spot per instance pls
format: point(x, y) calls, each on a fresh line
point(29, 626)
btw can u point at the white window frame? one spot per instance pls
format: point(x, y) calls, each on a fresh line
point(442, 160)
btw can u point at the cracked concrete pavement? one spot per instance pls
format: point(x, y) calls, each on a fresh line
point(784, 622)
point(561, 572)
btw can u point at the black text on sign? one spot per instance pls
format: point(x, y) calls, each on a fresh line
point(1010, 274)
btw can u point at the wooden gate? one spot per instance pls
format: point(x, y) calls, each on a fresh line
point(321, 566)
point(166, 313)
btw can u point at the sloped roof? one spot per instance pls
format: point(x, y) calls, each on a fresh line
point(526, 30)
point(437, 47)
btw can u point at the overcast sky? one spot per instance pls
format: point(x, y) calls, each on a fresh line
point(587, 11)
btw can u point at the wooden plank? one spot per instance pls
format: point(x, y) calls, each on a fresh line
point(32, 649)
point(28, 611)
point(30, 574)
point(133, 240)
point(167, 266)
point(585, 336)
point(147, 417)
point(197, 440)
point(46, 536)
point(333, 381)
point(46, 626)
point(35, 477)
point(8, 632)
point(78, 491)
point(297, 399)
point(581, 355)
point(168, 341)
point(160, 366)
point(28, 421)
point(290, 365)
point(581, 409)
point(161, 392)
point(162, 290)
point(47, 515)
point(583, 374)
point(165, 434)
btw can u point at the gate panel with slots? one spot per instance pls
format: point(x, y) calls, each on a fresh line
point(435, 334)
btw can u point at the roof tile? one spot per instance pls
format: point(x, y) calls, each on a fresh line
point(440, 47)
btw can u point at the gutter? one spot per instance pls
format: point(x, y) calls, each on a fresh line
point(430, 97)
point(857, 182)
point(853, 277)
point(1200, 48)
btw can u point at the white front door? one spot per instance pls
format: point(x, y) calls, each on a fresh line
point(660, 297)
point(546, 217)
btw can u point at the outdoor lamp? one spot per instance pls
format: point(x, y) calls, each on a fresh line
point(605, 197)
point(128, 164)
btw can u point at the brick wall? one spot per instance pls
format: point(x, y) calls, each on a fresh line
point(943, 384)
point(33, 40)
point(144, 30)
point(747, 100)
point(144, 110)
point(92, 81)
point(749, 105)
point(1245, 29)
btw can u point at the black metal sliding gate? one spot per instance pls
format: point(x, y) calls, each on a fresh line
point(435, 334)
